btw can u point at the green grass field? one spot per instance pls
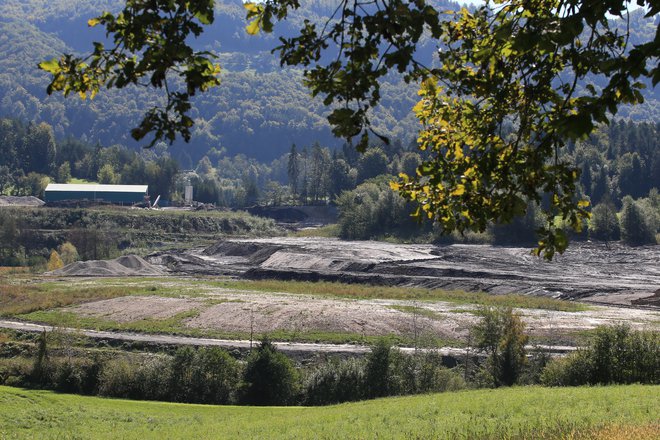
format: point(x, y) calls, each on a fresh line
point(532, 412)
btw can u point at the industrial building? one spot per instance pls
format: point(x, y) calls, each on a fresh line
point(117, 194)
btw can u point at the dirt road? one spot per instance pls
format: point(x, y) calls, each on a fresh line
point(295, 348)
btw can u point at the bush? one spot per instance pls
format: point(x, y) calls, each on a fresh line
point(118, 379)
point(206, 375)
point(269, 378)
point(617, 355)
point(432, 377)
point(16, 371)
point(54, 262)
point(378, 374)
point(335, 382)
point(68, 253)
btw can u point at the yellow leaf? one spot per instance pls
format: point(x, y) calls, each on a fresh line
point(251, 7)
point(583, 203)
point(395, 186)
point(459, 191)
point(253, 27)
point(51, 66)
point(93, 22)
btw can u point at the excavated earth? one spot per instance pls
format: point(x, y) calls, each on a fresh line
point(592, 272)
point(624, 280)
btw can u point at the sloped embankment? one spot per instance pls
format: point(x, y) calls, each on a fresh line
point(128, 265)
point(613, 274)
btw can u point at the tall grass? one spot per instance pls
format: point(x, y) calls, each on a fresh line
point(18, 299)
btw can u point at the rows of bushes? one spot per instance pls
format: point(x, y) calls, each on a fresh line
point(268, 377)
point(212, 375)
point(617, 355)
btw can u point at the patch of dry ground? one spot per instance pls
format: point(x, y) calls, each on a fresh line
point(591, 272)
point(135, 308)
point(240, 311)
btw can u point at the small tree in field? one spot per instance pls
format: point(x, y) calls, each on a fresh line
point(604, 224)
point(55, 262)
point(501, 334)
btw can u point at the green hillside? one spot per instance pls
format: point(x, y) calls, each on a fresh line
point(260, 109)
point(532, 412)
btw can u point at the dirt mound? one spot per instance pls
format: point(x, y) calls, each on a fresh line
point(254, 253)
point(653, 300)
point(128, 265)
point(20, 201)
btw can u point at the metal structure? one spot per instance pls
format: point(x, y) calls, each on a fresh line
point(118, 194)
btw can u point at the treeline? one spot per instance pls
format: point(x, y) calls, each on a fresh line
point(32, 157)
point(620, 176)
point(615, 355)
point(308, 175)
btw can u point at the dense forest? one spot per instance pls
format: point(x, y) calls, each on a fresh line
point(32, 157)
point(260, 138)
point(619, 166)
point(259, 110)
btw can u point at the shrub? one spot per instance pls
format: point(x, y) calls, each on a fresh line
point(118, 379)
point(433, 377)
point(68, 253)
point(16, 371)
point(55, 262)
point(205, 375)
point(617, 355)
point(378, 374)
point(335, 382)
point(269, 378)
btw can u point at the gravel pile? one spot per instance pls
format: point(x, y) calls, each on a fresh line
point(20, 201)
point(128, 265)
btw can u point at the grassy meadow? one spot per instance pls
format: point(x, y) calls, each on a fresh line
point(526, 412)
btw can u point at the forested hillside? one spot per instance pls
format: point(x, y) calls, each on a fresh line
point(259, 110)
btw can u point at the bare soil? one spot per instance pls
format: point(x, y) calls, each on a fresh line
point(593, 272)
point(263, 313)
point(614, 275)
